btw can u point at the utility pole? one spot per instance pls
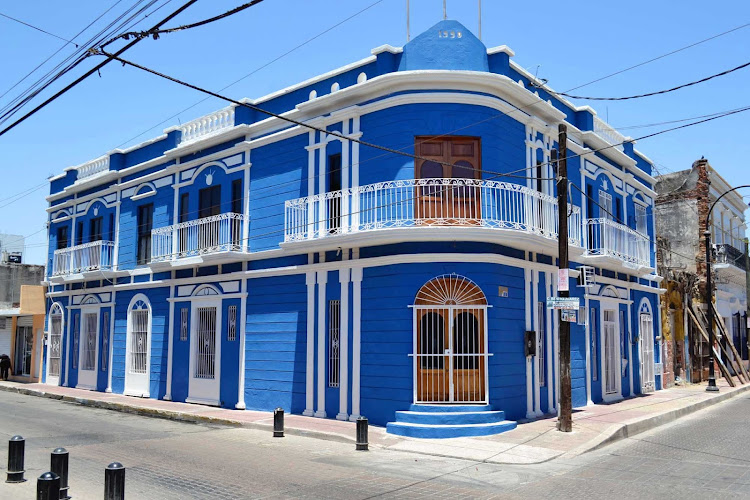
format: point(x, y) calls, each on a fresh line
point(711, 387)
point(565, 419)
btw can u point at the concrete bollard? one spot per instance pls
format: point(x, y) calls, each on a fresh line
point(59, 466)
point(278, 423)
point(16, 449)
point(362, 444)
point(114, 482)
point(48, 486)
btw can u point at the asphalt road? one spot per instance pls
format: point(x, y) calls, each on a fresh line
point(706, 455)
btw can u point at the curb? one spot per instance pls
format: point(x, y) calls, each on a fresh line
point(618, 432)
point(180, 416)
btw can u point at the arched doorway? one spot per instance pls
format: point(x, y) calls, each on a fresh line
point(138, 348)
point(54, 344)
point(450, 342)
point(646, 345)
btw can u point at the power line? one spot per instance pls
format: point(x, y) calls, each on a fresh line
point(58, 50)
point(92, 71)
point(259, 68)
point(79, 55)
point(649, 94)
point(38, 29)
point(680, 120)
point(156, 32)
point(661, 56)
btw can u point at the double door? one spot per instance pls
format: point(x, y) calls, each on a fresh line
point(611, 344)
point(446, 170)
point(451, 359)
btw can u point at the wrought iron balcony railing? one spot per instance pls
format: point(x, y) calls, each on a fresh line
point(727, 254)
point(97, 255)
point(214, 234)
point(425, 203)
point(607, 238)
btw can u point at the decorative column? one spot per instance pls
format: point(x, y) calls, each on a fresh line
point(344, 341)
point(111, 340)
point(356, 338)
point(310, 344)
point(170, 343)
point(322, 280)
point(242, 334)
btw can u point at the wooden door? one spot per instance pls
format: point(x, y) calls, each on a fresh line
point(468, 355)
point(438, 199)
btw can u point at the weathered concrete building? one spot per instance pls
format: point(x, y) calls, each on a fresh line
point(22, 317)
point(683, 202)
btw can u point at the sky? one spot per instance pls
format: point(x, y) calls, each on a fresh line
point(568, 46)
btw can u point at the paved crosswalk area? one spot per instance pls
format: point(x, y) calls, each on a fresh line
point(702, 456)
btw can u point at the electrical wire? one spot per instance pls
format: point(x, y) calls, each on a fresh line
point(256, 70)
point(91, 71)
point(737, 28)
point(649, 94)
point(156, 32)
point(77, 57)
point(58, 50)
point(38, 29)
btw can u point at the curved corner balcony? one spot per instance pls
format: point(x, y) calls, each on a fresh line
point(198, 240)
point(94, 256)
point(428, 210)
point(607, 240)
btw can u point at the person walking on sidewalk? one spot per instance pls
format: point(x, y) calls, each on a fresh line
point(4, 366)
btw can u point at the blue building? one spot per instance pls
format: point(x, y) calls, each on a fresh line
point(243, 261)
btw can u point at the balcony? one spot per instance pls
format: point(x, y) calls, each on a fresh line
point(727, 255)
point(609, 239)
point(463, 208)
point(217, 234)
point(94, 256)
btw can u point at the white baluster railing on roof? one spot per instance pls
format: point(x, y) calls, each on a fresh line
point(609, 134)
point(93, 167)
point(424, 203)
point(207, 125)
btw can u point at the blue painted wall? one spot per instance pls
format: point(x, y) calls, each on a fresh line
point(276, 343)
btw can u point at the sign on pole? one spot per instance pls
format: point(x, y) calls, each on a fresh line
point(563, 303)
point(562, 280)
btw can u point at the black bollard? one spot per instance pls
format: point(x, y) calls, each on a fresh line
point(59, 465)
point(362, 434)
point(278, 423)
point(48, 486)
point(114, 482)
point(16, 448)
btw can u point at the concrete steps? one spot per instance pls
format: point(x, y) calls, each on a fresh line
point(449, 421)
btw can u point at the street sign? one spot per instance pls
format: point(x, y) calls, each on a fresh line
point(563, 303)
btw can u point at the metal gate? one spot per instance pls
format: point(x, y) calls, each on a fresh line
point(24, 344)
point(88, 355)
point(139, 341)
point(646, 333)
point(451, 355)
point(205, 345)
point(55, 344)
point(611, 368)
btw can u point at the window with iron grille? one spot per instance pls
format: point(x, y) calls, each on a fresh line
point(105, 341)
point(184, 323)
point(76, 334)
point(334, 336)
point(232, 324)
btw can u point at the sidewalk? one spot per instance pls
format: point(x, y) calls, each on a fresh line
point(532, 442)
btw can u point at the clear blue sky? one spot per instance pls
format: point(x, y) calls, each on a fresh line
point(571, 45)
